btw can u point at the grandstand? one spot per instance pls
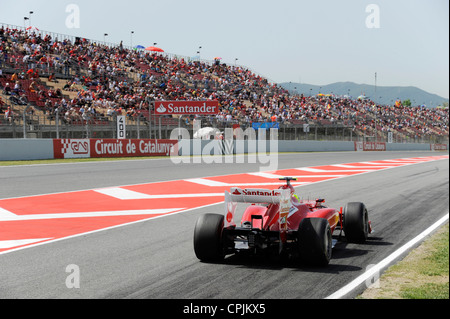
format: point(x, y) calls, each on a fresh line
point(85, 84)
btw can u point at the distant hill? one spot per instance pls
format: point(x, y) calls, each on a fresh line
point(384, 94)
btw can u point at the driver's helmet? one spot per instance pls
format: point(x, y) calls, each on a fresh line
point(288, 187)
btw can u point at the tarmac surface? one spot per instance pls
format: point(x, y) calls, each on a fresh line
point(154, 259)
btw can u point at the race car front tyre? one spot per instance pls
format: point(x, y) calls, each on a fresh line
point(208, 244)
point(355, 222)
point(315, 241)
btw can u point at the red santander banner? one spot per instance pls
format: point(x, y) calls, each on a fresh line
point(90, 148)
point(186, 107)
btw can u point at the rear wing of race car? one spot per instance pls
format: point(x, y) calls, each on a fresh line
point(254, 196)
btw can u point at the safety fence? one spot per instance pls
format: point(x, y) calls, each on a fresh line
point(27, 125)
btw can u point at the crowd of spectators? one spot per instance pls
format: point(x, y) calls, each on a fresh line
point(104, 81)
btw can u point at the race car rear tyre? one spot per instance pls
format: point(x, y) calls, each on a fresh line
point(315, 241)
point(208, 244)
point(355, 222)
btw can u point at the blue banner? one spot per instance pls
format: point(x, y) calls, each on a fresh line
point(266, 125)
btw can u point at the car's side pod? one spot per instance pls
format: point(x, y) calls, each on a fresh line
point(341, 227)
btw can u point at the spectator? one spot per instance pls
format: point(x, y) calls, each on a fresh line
point(17, 88)
point(51, 78)
point(14, 77)
point(7, 89)
point(9, 115)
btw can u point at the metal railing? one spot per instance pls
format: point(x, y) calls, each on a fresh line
point(44, 126)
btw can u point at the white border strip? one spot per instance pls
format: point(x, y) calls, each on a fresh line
point(376, 269)
point(4, 244)
point(125, 194)
point(89, 214)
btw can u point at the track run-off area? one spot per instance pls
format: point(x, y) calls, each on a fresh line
point(127, 226)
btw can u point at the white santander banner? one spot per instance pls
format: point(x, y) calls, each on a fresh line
point(186, 107)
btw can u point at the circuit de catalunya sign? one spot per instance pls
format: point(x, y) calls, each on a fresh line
point(370, 146)
point(90, 148)
point(187, 107)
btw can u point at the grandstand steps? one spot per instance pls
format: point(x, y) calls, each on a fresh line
point(250, 105)
point(39, 116)
point(60, 85)
point(18, 110)
point(6, 101)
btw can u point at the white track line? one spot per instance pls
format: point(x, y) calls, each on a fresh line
point(19, 242)
point(361, 167)
point(6, 215)
point(122, 193)
point(376, 269)
point(319, 170)
point(211, 183)
point(266, 175)
point(382, 164)
point(12, 216)
point(206, 182)
point(125, 194)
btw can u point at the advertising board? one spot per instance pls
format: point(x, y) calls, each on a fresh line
point(186, 107)
point(95, 148)
point(370, 146)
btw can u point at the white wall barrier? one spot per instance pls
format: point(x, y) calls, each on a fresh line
point(35, 149)
point(25, 149)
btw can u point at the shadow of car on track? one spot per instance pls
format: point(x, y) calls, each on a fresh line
point(349, 251)
point(282, 263)
point(342, 250)
point(291, 263)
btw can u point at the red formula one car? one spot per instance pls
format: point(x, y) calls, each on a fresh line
point(277, 222)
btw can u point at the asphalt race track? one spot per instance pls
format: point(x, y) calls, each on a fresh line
point(155, 259)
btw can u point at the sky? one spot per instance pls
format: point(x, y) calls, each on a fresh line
point(406, 42)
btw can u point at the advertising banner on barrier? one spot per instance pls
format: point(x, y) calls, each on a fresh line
point(266, 125)
point(370, 146)
point(85, 148)
point(438, 147)
point(71, 148)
